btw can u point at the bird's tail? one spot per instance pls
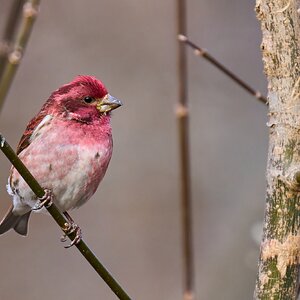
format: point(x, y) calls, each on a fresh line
point(18, 223)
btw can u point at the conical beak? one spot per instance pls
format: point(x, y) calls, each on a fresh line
point(108, 103)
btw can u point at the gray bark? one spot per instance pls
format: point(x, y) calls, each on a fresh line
point(280, 248)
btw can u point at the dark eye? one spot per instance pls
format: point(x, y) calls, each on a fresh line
point(88, 99)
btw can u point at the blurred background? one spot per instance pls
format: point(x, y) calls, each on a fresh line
point(133, 221)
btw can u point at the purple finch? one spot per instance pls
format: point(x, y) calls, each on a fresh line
point(67, 146)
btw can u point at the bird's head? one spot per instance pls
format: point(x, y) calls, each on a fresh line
point(85, 98)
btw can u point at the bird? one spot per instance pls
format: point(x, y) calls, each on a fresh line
point(67, 147)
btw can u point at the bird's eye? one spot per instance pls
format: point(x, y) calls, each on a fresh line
point(88, 99)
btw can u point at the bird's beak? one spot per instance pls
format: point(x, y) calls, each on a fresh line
point(108, 103)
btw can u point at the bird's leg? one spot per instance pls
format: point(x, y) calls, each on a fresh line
point(46, 200)
point(70, 228)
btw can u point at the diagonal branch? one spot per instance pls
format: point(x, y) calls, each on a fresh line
point(30, 11)
point(201, 52)
point(61, 221)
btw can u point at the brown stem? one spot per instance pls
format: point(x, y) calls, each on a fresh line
point(9, 32)
point(183, 131)
point(30, 11)
point(203, 53)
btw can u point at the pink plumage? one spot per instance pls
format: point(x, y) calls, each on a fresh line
point(67, 146)
point(95, 87)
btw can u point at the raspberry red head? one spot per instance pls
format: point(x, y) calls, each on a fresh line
point(83, 86)
point(85, 96)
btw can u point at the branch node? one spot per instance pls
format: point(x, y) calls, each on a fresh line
point(182, 38)
point(188, 295)
point(199, 52)
point(15, 57)
point(258, 95)
point(29, 11)
point(181, 111)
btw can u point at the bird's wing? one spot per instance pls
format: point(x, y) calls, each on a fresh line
point(32, 129)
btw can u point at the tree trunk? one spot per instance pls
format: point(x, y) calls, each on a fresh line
point(280, 248)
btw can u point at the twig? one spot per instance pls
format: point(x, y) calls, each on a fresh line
point(183, 131)
point(201, 52)
point(9, 31)
point(61, 221)
point(30, 11)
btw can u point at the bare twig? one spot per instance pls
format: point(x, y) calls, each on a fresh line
point(203, 53)
point(183, 131)
point(9, 32)
point(61, 221)
point(30, 11)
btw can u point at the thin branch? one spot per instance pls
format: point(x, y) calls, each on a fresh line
point(30, 11)
point(61, 221)
point(9, 32)
point(203, 53)
point(183, 131)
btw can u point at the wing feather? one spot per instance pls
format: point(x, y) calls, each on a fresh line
point(25, 139)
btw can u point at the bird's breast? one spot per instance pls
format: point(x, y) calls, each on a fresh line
point(67, 159)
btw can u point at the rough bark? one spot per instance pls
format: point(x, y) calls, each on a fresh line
point(280, 248)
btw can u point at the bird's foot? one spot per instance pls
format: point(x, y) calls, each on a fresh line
point(69, 228)
point(46, 200)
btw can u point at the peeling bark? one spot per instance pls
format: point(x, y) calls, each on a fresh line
point(280, 248)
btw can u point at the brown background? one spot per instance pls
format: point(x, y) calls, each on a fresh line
point(132, 223)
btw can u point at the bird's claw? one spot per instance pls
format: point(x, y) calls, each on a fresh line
point(63, 238)
point(71, 228)
point(46, 200)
